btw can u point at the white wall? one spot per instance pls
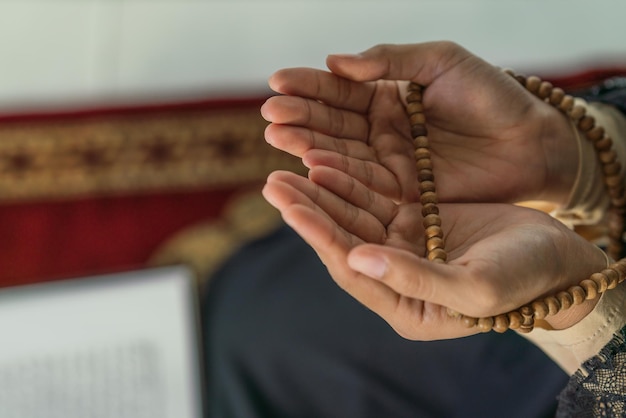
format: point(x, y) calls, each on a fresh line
point(69, 52)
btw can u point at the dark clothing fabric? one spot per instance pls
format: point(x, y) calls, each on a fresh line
point(282, 340)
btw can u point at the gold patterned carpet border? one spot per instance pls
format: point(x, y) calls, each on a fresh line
point(136, 153)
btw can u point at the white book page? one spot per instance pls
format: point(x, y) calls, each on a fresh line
point(117, 346)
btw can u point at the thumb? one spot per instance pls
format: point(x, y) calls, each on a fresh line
point(421, 63)
point(406, 273)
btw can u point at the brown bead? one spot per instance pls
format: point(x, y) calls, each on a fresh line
point(430, 220)
point(540, 308)
point(528, 319)
point(619, 268)
point(501, 323)
point(429, 197)
point(607, 157)
point(612, 277)
point(426, 186)
point(424, 164)
point(565, 299)
point(415, 107)
point(533, 83)
point(611, 169)
point(545, 88)
point(429, 209)
point(418, 130)
point(613, 181)
point(578, 294)
point(414, 87)
point(566, 103)
point(452, 313)
point(515, 319)
point(433, 231)
point(469, 321)
point(417, 118)
point(554, 306)
point(485, 324)
point(434, 243)
point(590, 287)
point(414, 97)
point(425, 175)
point(556, 96)
point(521, 79)
point(586, 123)
point(576, 112)
point(595, 134)
point(421, 142)
point(421, 153)
point(601, 281)
point(616, 192)
point(603, 144)
point(437, 253)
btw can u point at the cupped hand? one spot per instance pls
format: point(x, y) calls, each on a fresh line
point(491, 140)
point(500, 256)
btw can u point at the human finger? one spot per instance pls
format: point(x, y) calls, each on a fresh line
point(297, 140)
point(352, 219)
point(298, 111)
point(394, 177)
point(354, 192)
point(421, 62)
point(323, 86)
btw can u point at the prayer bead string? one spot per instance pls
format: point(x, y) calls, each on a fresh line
point(523, 319)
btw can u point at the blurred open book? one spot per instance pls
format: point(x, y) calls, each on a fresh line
point(119, 346)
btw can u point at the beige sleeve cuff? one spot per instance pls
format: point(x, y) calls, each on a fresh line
point(588, 199)
point(570, 347)
point(587, 204)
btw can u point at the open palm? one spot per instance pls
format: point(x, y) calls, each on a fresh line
point(489, 137)
point(486, 274)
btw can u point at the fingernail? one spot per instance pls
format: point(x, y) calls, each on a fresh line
point(370, 265)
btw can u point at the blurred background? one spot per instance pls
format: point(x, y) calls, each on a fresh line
point(94, 51)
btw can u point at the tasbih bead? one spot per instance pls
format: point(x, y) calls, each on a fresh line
point(485, 324)
point(601, 281)
point(545, 90)
point(523, 319)
point(427, 186)
point(578, 294)
point(567, 103)
point(595, 134)
point(429, 209)
point(501, 323)
point(576, 113)
point(528, 319)
point(565, 299)
point(515, 319)
point(556, 96)
point(425, 175)
point(590, 287)
point(421, 142)
point(433, 231)
point(540, 308)
point(586, 123)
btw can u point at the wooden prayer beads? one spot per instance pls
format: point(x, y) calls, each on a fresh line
point(523, 319)
point(428, 193)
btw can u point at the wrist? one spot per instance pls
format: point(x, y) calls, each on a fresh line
point(562, 149)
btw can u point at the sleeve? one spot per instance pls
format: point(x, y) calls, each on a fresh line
point(594, 350)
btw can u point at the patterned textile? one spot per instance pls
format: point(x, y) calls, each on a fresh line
point(598, 388)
